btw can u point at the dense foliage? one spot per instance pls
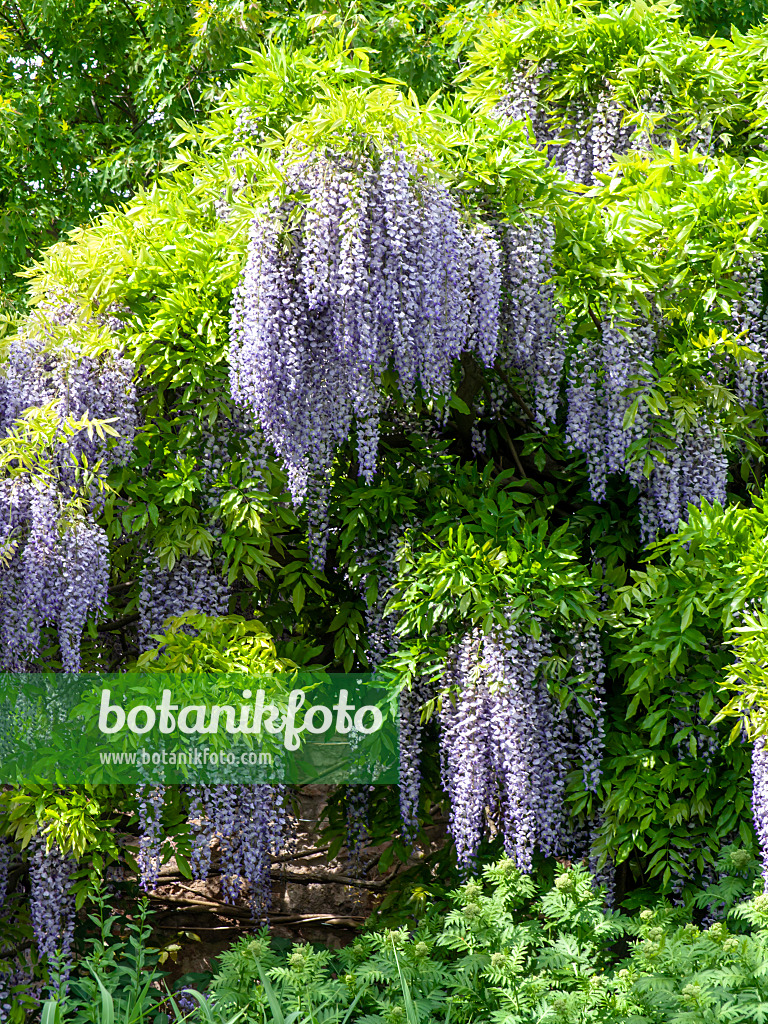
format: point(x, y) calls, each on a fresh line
point(92, 92)
point(500, 948)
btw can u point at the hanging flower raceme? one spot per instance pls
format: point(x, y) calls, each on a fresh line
point(43, 368)
point(695, 468)
point(411, 703)
point(600, 373)
point(55, 573)
point(760, 798)
point(583, 131)
point(250, 825)
point(194, 583)
point(750, 323)
point(605, 376)
point(532, 335)
point(149, 801)
point(52, 904)
point(508, 747)
point(588, 134)
point(376, 267)
point(53, 557)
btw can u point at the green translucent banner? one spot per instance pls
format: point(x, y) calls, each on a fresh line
point(297, 728)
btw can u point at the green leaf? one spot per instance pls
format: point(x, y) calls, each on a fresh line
point(107, 1005)
point(299, 594)
point(459, 405)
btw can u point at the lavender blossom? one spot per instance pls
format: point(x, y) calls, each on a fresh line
point(760, 798)
point(52, 905)
point(507, 746)
point(380, 267)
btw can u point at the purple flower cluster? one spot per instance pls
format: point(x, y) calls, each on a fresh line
point(56, 572)
point(760, 798)
point(604, 376)
point(520, 102)
point(193, 584)
point(584, 139)
point(53, 559)
point(379, 555)
point(749, 321)
point(249, 823)
point(150, 801)
point(357, 827)
point(52, 905)
point(376, 267)
point(531, 336)
point(85, 563)
point(589, 731)
point(42, 368)
point(507, 746)
point(412, 701)
point(600, 373)
point(695, 468)
point(466, 750)
point(201, 829)
point(587, 136)
point(609, 136)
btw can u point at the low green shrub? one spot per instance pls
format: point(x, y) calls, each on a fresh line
point(508, 950)
point(508, 953)
point(118, 980)
point(502, 953)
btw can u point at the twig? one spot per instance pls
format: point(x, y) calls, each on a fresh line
point(135, 17)
point(280, 875)
point(315, 851)
point(217, 928)
point(327, 878)
point(215, 908)
point(516, 395)
point(350, 919)
point(511, 444)
point(243, 912)
point(126, 620)
point(341, 922)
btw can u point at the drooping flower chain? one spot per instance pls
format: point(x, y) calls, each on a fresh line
point(194, 583)
point(507, 747)
point(53, 561)
point(52, 904)
point(380, 269)
point(760, 798)
point(250, 824)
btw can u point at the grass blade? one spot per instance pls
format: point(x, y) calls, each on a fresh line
point(50, 1012)
point(352, 1005)
point(205, 1006)
point(107, 1004)
point(410, 1009)
point(274, 1005)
